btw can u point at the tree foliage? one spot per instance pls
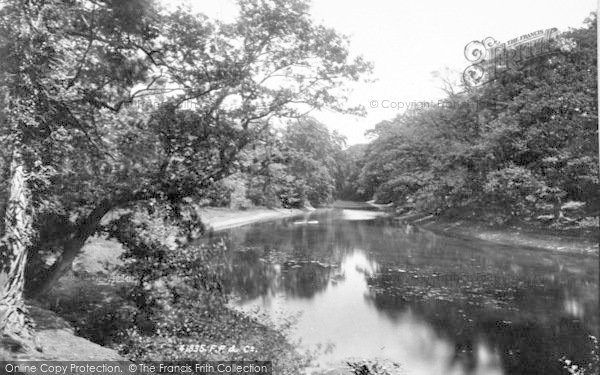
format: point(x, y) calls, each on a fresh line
point(298, 167)
point(83, 72)
point(521, 142)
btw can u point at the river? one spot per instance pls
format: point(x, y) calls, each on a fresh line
point(358, 285)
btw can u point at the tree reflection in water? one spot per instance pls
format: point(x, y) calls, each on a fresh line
point(436, 305)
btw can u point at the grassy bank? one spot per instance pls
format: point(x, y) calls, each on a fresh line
point(219, 218)
point(575, 241)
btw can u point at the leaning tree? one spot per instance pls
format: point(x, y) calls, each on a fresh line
point(62, 64)
point(112, 103)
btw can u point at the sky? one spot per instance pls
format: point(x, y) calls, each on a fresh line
point(408, 41)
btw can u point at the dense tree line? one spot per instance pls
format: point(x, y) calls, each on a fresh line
point(296, 165)
point(516, 147)
point(79, 140)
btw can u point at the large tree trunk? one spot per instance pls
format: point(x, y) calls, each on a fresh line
point(15, 325)
point(73, 246)
point(86, 228)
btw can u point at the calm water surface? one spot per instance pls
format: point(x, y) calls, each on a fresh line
point(363, 286)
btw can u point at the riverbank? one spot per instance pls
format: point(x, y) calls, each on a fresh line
point(90, 282)
point(582, 241)
point(60, 342)
point(575, 241)
point(220, 218)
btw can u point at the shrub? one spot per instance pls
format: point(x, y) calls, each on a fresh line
point(510, 187)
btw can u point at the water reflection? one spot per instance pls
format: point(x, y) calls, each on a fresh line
point(434, 304)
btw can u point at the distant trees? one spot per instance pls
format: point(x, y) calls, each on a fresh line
point(310, 151)
point(297, 168)
point(525, 140)
point(350, 164)
point(78, 144)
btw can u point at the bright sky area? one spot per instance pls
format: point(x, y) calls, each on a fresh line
point(409, 40)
